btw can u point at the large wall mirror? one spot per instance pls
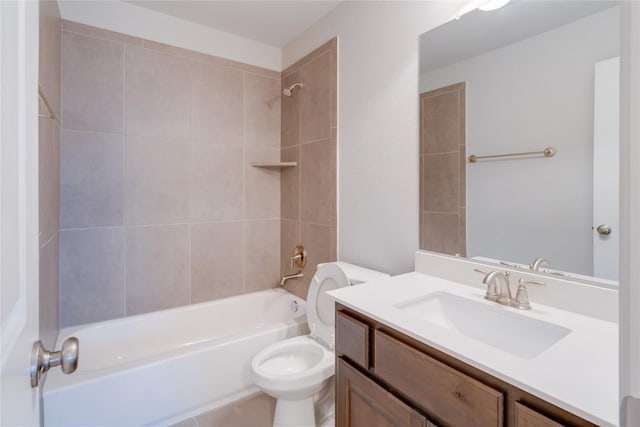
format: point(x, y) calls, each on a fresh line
point(537, 81)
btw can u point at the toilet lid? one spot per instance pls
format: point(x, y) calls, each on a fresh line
point(320, 306)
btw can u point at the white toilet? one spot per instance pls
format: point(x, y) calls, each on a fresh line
point(295, 370)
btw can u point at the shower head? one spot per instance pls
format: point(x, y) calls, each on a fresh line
point(288, 91)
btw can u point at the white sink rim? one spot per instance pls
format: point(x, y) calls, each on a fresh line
point(490, 324)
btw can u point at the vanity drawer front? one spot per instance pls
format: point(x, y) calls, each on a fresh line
point(352, 339)
point(363, 403)
point(527, 417)
point(452, 397)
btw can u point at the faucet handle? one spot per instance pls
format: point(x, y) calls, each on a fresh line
point(299, 257)
point(521, 300)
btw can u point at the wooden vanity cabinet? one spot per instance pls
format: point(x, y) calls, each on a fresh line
point(385, 378)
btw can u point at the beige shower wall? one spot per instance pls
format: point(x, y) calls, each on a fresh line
point(159, 204)
point(309, 129)
point(49, 172)
point(443, 170)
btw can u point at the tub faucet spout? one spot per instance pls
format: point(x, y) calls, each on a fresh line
point(286, 277)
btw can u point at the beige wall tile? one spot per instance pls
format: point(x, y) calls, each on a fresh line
point(49, 178)
point(333, 105)
point(92, 179)
point(186, 53)
point(424, 100)
point(261, 111)
point(216, 255)
point(157, 181)
point(157, 94)
point(216, 104)
point(290, 237)
point(256, 70)
point(441, 232)
point(49, 295)
point(50, 67)
point(215, 182)
point(317, 240)
point(317, 170)
point(92, 83)
point(290, 184)
point(442, 123)
point(157, 270)
point(50, 81)
point(315, 109)
point(463, 176)
point(261, 254)
point(333, 242)
point(421, 184)
point(441, 182)
point(462, 231)
point(91, 275)
point(325, 47)
point(256, 411)
point(422, 234)
point(88, 30)
point(333, 178)
point(290, 115)
point(261, 185)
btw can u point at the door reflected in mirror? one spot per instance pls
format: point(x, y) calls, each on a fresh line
point(505, 86)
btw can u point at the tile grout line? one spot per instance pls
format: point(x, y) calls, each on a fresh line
point(124, 178)
point(60, 183)
point(171, 224)
point(189, 173)
point(243, 159)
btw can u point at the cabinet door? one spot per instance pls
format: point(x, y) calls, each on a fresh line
point(450, 396)
point(527, 417)
point(363, 403)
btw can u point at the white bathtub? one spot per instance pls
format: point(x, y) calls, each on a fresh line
point(162, 367)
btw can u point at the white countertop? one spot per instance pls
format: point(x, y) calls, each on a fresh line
point(579, 373)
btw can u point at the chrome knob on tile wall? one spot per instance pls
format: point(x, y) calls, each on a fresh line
point(42, 359)
point(603, 230)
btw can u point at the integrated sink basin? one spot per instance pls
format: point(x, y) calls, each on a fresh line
point(496, 326)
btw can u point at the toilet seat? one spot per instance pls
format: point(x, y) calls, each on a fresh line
point(296, 370)
point(320, 306)
point(296, 365)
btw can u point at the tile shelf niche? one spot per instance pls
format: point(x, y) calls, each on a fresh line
point(274, 165)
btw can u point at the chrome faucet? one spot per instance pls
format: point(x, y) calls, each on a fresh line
point(539, 263)
point(498, 288)
point(286, 277)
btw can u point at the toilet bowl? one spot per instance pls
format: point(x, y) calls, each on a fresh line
point(295, 370)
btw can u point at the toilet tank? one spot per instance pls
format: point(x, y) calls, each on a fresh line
point(358, 275)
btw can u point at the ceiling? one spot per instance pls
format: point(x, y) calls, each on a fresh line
point(271, 22)
point(478, 32)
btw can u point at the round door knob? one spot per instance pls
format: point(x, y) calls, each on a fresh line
point(603, 230)
point(69, 355)
point(42, 360)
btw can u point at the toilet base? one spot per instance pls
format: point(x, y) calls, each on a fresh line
point(294, 413)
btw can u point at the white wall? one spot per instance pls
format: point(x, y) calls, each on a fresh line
point(115, 15)
point(377, 124)
point(524, 97)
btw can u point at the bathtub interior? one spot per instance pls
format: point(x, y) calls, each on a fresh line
point(151, 336)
